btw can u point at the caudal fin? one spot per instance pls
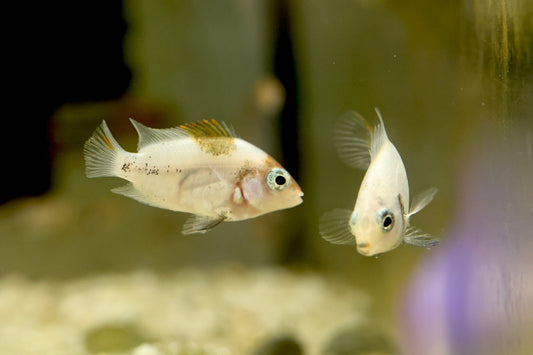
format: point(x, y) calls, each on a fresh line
point(100, 152)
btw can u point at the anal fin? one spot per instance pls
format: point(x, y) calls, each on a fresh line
point(130, 191)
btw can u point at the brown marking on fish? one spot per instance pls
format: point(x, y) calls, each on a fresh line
point(247, 169)
point(212, 137)
point(126, 167)
point(216, 146)
point(270, 163)
point(153, 171)
point(363, 245)
point(108, 143)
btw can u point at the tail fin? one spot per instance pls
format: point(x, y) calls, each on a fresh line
point(100, 152)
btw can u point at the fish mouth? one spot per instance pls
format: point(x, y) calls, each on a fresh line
point(362, 248)
point(299, 197)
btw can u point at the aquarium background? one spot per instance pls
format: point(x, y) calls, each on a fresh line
point(85, 271)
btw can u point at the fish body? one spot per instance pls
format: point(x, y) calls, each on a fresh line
point(380, 218)
point(200, 168)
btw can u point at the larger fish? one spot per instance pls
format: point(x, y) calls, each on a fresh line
point(380, 220)
point(201, 168)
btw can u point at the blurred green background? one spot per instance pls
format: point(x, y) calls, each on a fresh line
point(280, 72)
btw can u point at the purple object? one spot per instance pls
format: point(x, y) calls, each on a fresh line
point(474, 294)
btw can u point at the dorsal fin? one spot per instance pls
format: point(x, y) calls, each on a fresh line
point(200, 129)
point(353, 139)
point(148, 136)
point(379, 135)
point(207, 128)
point(356, 141)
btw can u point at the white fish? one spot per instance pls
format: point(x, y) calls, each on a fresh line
point(379, 221)
point(201, 168)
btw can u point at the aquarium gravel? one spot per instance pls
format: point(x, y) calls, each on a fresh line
point(230, 310)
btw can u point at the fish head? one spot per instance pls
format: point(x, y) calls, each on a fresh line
point(269, 187)
point(377, 230)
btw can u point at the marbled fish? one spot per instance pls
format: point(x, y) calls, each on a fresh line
point(380, 220)
point(201, 168)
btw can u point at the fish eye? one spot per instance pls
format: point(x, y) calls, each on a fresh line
point(278, 179)
point(386, 220)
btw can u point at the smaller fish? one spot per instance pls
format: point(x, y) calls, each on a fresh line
point(380, 220)
point(201, 168)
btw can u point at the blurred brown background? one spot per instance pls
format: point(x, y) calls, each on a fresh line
point(280, 72)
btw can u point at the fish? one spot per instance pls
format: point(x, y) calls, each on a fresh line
point(380, 219)
point(201, 168)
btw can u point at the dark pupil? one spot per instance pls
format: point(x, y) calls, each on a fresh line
point(387, 221)
point(280, 180)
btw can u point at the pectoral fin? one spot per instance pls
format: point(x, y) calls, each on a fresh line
point(201, 224)
point(335, 227)
point(422, 200)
